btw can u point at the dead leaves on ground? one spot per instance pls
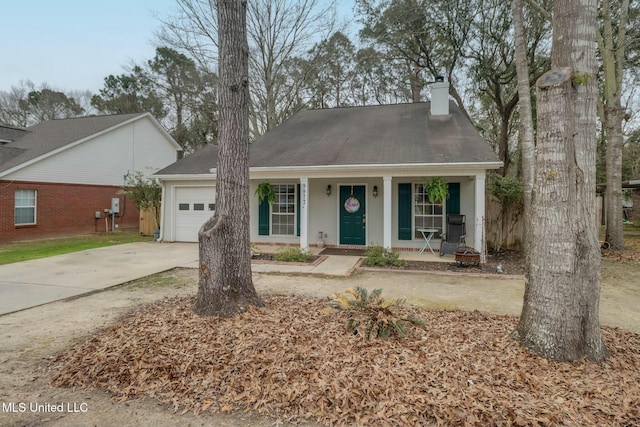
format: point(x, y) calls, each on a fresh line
point(626, 255)
point(293, 360)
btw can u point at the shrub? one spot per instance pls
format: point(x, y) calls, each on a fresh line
point(372, 315)
point(146, 193)
point(507, 190)
point(292, 255)
point(378, 255)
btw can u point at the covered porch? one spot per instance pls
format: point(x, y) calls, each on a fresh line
point(364, 208)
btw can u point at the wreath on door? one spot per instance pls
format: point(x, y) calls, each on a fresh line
point(352, 204)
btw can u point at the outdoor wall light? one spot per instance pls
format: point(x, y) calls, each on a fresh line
point(329, 190)
point(375, 191)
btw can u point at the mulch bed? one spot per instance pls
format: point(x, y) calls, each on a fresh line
point(271, 259)
point(293, 360)
point(501, 263)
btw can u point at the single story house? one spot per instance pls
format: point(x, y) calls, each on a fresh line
point(347, 177)
point(64, 176)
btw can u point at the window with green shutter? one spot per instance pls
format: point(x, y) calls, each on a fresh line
point(263, 218)
point(453, 202)
point(404, 211)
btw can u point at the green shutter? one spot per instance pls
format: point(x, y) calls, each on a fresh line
point(298, 211)
point(404, 212)
point(263, 218)
point(453, 202)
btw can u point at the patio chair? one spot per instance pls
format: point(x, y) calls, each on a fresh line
point(455, 236)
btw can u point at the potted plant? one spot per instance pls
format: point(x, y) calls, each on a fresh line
point(146, 194)
point(437, 190)
point(266, 191)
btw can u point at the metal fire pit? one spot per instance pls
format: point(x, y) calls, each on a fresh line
point(466, 256)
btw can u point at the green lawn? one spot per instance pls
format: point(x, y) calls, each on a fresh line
point(16, 252)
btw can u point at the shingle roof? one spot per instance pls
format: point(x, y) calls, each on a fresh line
point(200, 162)
point(54, 134)
point(373, 135)
point(10, 133)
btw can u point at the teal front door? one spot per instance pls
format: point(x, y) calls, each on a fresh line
point(352, 215)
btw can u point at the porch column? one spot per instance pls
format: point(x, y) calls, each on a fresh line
point(478, 228)
point(304, 212)
point(386, 212)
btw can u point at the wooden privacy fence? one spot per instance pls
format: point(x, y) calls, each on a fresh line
point(505, 230)
point(147, 223)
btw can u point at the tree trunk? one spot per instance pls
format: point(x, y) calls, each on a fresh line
point(613, 194)
point(612, 51)
point(559, 317)
point(527, 141)
point(503, 138)
point(416, 83)
point(226, 286)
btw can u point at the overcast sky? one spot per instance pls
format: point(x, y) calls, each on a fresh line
point(75, 44)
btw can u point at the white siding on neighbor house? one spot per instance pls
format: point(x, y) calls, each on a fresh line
point(107, 158)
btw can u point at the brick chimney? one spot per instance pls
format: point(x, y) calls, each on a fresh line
point(439, 97)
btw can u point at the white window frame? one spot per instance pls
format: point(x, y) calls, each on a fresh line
point(33, 207)
point(414, 204)
point(277, 202)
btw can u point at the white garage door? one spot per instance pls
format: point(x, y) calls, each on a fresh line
point(194, 206)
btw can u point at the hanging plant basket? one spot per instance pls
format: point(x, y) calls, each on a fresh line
point(437, 190)
point(266, 191)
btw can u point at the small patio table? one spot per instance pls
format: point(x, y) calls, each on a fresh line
point(427, 234)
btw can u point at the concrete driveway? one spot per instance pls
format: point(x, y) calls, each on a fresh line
point(32, 283)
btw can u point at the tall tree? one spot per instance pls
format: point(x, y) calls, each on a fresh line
point(277, 31)
point(188, 95)
point(225, 286)
point(128, 93)
point(330, 72)
point(10, 111)
point(559, 317)
point(47, 104)
point(27, 105)
point(430, 35)
point(376, 80)
point(493, 73)
point(612, 41)
point(526, 133)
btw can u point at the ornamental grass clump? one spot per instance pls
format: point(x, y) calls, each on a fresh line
point(380, 256)
point(372, 315)
point(292, 255)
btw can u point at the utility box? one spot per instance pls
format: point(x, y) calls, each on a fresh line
point(115, 205)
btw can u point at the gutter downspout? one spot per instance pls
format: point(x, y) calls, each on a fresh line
point(162, 199)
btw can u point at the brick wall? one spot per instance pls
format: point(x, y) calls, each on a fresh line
point(63, 209)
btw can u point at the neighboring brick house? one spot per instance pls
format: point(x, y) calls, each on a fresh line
point(57, 177)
